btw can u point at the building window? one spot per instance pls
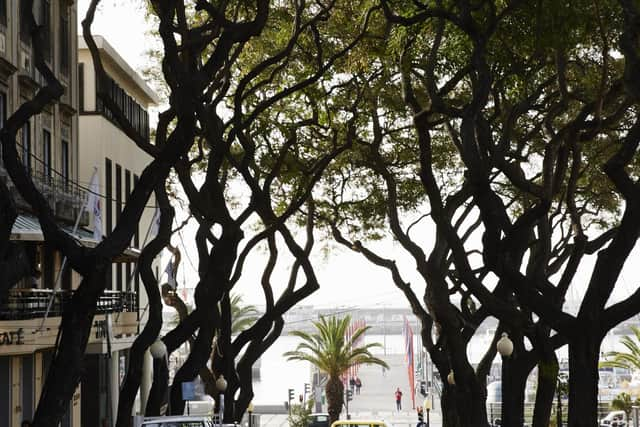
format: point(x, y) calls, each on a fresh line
point(65, 52)
point(118, 191)
point(108, 194)
point(46, 155)
point(66, 278)
point(26, 146)
point(3, 111)
point(81, 86)
point(64, 162)
point(118, 211)
point(3, 12)
point(3, 108)
point(128, 275)
point(136, 236)
point(25, 22)
point(49, 267)
point(45, 21)
point(135, 114)
point(127, 185)
point(108, 179)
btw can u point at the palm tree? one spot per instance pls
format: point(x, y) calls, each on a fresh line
point(629, 360)
point(333, 353)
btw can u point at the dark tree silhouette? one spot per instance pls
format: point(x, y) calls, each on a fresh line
point(515, 147)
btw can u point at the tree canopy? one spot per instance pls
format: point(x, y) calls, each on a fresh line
point(495, 141)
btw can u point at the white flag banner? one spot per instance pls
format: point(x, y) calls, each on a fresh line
point(171, 275)
point(93, 206)
point(155, 223)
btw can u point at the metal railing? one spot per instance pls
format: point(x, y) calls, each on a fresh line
point(32, 303)
point(64, 196)
point(494, 412)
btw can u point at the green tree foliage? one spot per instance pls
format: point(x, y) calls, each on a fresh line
point(495, 143)
point(624, 402)
point(629, 359)
point(299, 414)
point(332, 352)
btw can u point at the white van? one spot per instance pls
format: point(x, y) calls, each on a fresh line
point(614, 419)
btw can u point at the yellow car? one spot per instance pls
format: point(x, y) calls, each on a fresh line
point(359, 423)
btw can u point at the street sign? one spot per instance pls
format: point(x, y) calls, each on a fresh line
point(188, 390)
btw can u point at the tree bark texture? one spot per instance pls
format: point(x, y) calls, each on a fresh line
point(66, 368)
point(151, 330)
point(158, 395)
point(547, 380)
point(334, 390)
point(584, 354)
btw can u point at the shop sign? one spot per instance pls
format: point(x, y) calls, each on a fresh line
point(12, 337)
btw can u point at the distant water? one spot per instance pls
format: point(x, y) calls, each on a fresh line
point(277, 374)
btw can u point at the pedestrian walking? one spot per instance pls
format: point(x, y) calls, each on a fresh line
point(420, 417)
point(398, 399)
point(358, 385)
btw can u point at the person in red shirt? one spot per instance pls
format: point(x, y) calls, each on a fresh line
point(398, 399)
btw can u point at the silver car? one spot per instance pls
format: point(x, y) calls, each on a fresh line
point(177, 421)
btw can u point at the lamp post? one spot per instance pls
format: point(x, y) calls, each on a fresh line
point(505, 348)
point(451, 379)
point(221, 385)
point(250, 411)
point(427, 407)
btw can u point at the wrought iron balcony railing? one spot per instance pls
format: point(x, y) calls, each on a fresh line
point(65, 196)
point(32, 303)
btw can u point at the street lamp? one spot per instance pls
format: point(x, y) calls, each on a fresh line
point(158, 349)
point(221, 385)
point(505, 348)
point(250, 411)
point(451, 379)
point(427, 407)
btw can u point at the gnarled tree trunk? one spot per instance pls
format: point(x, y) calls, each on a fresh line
point(584, 354)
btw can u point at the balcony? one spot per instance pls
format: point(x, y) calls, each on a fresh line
point(64, 196)
point(22, 304)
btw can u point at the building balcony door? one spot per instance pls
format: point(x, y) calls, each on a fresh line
point(27, 387)
point(5, 390)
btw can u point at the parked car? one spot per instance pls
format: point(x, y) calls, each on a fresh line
point(320, 419)
point(614, 419)
point(177, 421)
point(359, 423)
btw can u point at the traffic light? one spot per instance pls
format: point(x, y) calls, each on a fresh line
point(290, 394)
point(307, 388)
point(349, 395)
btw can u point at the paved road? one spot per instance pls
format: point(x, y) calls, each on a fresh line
point(376, 399)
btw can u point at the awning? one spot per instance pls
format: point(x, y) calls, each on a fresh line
point(27, 228)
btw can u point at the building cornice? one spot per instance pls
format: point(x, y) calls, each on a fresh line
point(111, 54)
